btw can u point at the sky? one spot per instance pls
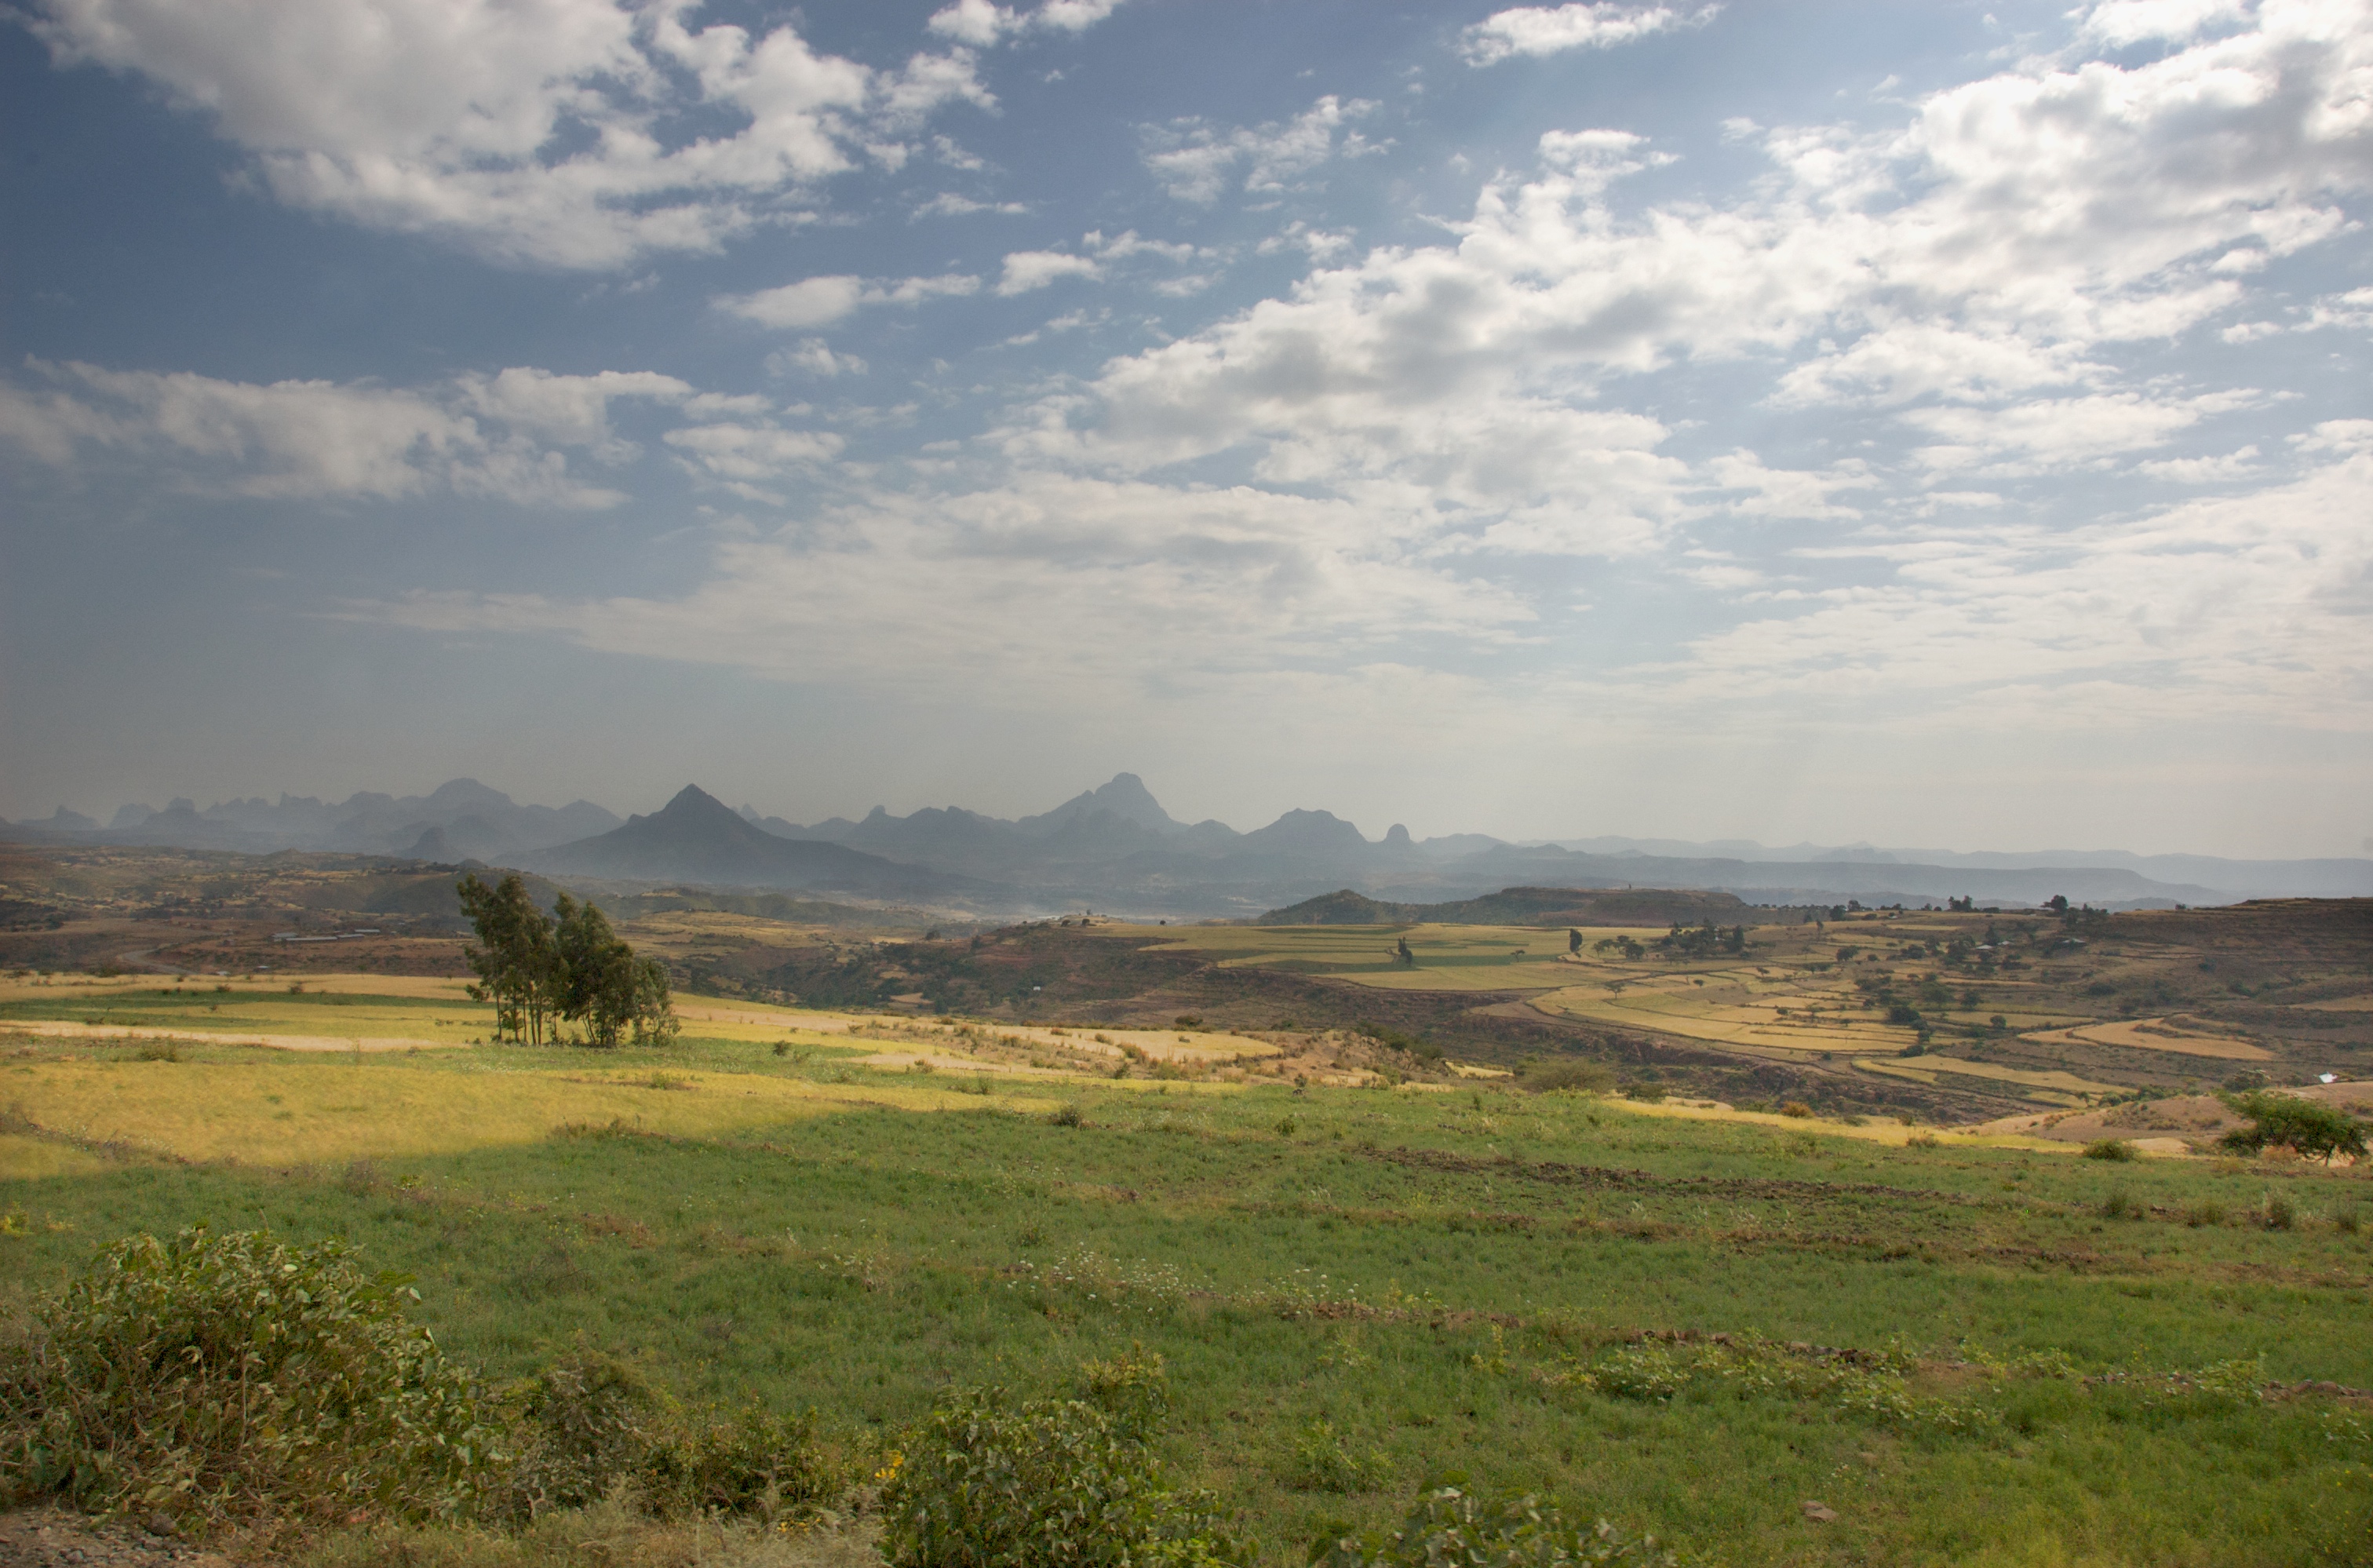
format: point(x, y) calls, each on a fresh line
point(1943, 424)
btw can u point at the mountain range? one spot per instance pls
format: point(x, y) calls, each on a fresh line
point(1115, 847)
point(460, 820)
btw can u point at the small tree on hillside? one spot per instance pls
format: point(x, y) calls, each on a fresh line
point(513, 957)
point(568, 965)
point(605, 987)
point(2313, 1128)
point(1572, 941)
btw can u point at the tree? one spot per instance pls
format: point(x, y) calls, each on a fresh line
point(513, 958)
point(1573, 941)
point(568, 965)
point(605, 986)
point(2311, 1128)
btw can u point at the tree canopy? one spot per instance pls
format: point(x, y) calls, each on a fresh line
point(568, 966)
point(2313, 1128)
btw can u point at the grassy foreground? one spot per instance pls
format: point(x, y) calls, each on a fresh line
point(2057, 1361)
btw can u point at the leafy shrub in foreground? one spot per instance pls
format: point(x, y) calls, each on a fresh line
point(2115, 1149)
point(234, 1376)
point(1451, 1528)
point(1324, 1460)
point(590, 1423)
point(990, 1481)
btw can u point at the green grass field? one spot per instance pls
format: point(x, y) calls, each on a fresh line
point(1447, 1281)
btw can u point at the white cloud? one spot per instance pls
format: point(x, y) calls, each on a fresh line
point(2118, 23)
point(2048, 433)
point(1026, 270)
point(451, 117)
point(500, 437)
point(745, 458)
point(1544, 30)
point(821, 301)
point(1786, 492)
point(2240, 463)
point(947, 204)
point(983, 23)
point(815, 357)
point(1198, 163)
point(1086, 587)
point(1970, 271)
point(2245, 608)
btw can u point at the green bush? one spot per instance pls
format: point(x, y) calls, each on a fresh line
point(591, 1423)
point(1324, 1462)
point(1567, 1075)
point(2311, 1128)
point(2111, 1148)
point(1450, 1527)
point(235, 1377)
point(991, 1481)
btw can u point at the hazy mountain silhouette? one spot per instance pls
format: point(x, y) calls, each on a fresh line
point(1114, 847)
point(695, 837)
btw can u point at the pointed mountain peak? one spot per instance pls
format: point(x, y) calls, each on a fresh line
point(693, 800)
point(1124, 795)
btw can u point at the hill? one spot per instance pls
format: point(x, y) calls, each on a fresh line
point(697, 839)
point(1522, 906)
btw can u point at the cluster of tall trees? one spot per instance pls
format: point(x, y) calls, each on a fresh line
point(568, 966)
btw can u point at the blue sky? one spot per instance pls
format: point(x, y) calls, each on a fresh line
point(1938, 424)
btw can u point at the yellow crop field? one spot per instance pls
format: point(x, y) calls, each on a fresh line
point(1450, 957)
point(1923, 1070)
point(2160, 1035)
point(292, 1111)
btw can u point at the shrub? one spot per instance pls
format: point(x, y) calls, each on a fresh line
point(1450, 1526)
point(2276, 1213)
point(1797, 1108)
point(2207, 1212)
point(989, 1482)
point(2121, 1205)
point(2111, 1148)
point(2311, 1128)
point(1063, 1115)
point(1324, 1462)
point(233, 1376)
point(1581, 1077)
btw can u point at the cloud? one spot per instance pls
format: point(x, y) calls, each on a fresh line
point(947, 204)
point(551, 132)
point(746, 458)
point(2119, 23)
point(983, 23)
point(1969, 274)
point(2239, 463)
point(1786, 492)
point(815, 357)
point(1543, 29)
point(1078, 588)
point(1198, 163)
point(2048, 433)
point(2246, 608)
point(500, 437)
point(821, 301)
point(1026, 270)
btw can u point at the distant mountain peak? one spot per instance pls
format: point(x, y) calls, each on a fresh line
point(1124, 795)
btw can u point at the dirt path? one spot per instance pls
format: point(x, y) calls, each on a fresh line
point(51, 1538)
point(57, 1030)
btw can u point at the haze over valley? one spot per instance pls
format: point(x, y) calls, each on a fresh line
point(1114, 848)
